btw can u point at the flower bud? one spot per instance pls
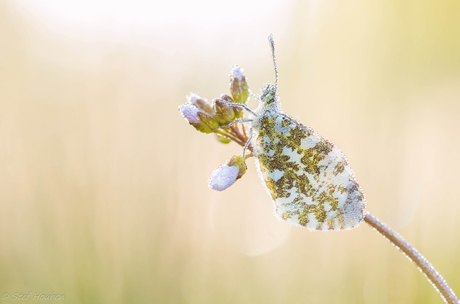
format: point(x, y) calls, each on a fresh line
point(223, 139)
point(238, 111)
point(224, 112)
point(199, 102)
point(189, 112)
point(238, 85)
point(226, 98)
point(209, 120)
point(223, 177)
point(199, 119)
point(238, 161)
point(226, 175)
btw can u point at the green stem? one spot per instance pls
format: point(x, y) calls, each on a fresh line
point(413, 255)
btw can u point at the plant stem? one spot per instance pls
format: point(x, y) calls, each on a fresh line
point(231, 136)
point(238, 134)
point(412, 254)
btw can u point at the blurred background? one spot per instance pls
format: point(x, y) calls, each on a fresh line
point(104, 194)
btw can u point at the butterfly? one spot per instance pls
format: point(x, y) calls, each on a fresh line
point(308, 178)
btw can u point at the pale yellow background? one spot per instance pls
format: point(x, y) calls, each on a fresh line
point(103, 186)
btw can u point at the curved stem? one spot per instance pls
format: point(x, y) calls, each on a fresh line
point(238, 134)
point(230, 136)
point(412, 254)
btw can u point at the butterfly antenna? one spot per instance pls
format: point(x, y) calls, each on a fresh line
point(272, 46)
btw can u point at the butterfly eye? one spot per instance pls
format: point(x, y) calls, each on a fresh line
point(268, 98)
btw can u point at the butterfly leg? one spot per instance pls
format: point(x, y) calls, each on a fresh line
point(242, 106)
point(247, 142)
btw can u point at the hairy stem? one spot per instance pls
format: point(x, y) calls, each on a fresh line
point(412, 254)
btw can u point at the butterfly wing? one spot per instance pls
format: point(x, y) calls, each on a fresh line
point(308, 178)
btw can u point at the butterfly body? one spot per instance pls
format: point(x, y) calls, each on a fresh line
point(308, 178)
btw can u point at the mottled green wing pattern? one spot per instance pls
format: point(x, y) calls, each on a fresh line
point(308, 178)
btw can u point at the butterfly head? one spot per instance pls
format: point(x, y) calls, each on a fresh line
point(268, 94)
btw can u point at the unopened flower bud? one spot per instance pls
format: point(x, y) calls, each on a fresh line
point(189, 112)
point(238, 85)
point(223, 139)
point(209, 120)
point(238, 161)
point(226, 98)
point(224, 112)
point(238, 111)
point(199, 119)
point(226, 175)
point(223, 177)
point(199, 102)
